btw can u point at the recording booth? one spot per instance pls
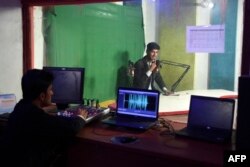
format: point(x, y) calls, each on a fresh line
point(94, 145)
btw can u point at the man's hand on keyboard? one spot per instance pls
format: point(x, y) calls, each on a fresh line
point(83, 113)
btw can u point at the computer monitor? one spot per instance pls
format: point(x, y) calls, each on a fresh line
point(67, 86)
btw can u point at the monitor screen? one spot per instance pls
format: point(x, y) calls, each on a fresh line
point(67, 86)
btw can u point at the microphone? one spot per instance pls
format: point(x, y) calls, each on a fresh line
point(158, 63)
point(131, 68)
point(130, 63)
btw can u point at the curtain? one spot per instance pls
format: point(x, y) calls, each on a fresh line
point(102, 38)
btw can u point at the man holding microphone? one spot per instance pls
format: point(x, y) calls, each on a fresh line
point(147, 70)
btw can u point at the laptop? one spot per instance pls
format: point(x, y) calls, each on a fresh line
point(136, 108)
point(209, 119)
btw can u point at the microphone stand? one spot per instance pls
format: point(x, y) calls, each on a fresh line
point(130, 72)
point(187, 67)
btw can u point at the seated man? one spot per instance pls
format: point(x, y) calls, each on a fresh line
point(33, 137)
point(147, 70)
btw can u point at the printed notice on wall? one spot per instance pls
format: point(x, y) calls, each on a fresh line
point(209, 39)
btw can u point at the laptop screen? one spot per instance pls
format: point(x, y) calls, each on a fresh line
point(211, 112)
point(137, 102)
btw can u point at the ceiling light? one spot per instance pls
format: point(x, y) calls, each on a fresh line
point(206, 4)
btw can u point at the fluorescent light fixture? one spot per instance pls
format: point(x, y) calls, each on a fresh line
point(206, 4)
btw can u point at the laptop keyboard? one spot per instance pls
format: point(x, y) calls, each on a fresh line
point(122, 119)
point(200, 133)
point(130, 122)
point(211, 135)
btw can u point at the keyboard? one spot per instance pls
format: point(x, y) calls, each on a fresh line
point(93, 112)
point(214, 135)
point(130, 123)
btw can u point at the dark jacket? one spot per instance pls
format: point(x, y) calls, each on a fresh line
point(32, 136)
point(141, 80)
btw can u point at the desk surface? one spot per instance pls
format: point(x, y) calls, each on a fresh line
point(179, 102)
point(152, 147)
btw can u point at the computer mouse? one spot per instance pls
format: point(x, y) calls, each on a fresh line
point(124, 139)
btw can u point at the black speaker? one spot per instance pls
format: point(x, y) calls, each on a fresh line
point(243, 115)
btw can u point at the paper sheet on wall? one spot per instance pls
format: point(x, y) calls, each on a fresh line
point(208, 39)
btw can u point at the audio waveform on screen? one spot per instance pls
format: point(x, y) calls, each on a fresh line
point(138, 102)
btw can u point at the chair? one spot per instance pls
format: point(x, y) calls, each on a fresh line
point(130, 73)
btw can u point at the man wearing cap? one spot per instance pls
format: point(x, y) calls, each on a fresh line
point(147, 70)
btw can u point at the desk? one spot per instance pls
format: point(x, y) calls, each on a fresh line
point(93, 147)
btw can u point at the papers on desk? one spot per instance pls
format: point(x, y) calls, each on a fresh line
point(173, 104)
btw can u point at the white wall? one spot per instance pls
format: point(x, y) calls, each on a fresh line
point(201, 59)
point(149, 20)
point(11, 52)
point(38, 38)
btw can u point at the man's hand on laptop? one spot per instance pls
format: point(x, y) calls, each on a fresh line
point(167, 93)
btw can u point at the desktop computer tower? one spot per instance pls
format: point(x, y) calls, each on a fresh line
point(243, 115)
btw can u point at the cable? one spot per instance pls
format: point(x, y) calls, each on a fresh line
point(165, 127)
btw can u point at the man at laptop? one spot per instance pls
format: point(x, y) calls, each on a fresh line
point(147, 70)
point(34, 137)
